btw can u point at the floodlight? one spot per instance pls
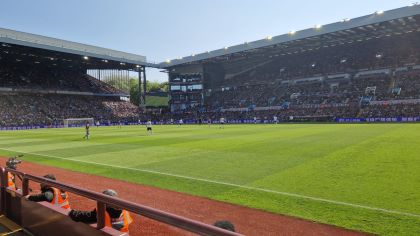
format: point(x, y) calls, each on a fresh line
point(318, 26)
point(86, 57)
point(292, 32)
point(379, 12)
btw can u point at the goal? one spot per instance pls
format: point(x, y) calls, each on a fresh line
point(74, 122)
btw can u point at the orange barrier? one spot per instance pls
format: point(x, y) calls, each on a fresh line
point(103, 200)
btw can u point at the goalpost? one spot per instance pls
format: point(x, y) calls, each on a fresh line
point(77, 122)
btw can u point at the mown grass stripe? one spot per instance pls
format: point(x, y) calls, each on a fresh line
point(231, 185)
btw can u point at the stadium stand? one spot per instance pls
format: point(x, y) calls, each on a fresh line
point(348, 69)
point(43, 83)
point(362, 68)
point(56, 80)
point(43, 109)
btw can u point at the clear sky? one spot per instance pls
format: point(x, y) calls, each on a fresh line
point(168, 29)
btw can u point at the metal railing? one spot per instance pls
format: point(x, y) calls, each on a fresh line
point(103, 200)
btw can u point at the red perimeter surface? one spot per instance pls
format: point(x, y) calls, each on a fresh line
point(246, 220)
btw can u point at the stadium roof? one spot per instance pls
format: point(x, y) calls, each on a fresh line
point(58, 45)
point(377, 25)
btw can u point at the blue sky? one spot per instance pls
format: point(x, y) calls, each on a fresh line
point(168, 29)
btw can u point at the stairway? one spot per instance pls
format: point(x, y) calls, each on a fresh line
point(360, 112)
point(393, 81)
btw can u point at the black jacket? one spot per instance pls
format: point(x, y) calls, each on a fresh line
point(90, 217)
point(46, 194)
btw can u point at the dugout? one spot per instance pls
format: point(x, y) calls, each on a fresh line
point(22, 217)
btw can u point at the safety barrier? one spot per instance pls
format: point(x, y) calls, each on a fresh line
point(103, 200)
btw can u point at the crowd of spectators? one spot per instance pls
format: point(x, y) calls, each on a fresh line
point(333, 98)
point(373, 70)
point(47, 79)
point(358, 80)
point(31, 109)
point(46, 96)
point(311, 100)
point(304, 93)
point(400, 110)
point(370, 54)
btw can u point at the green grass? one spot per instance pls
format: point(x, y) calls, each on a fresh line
point(155, 101)
point(375, 165)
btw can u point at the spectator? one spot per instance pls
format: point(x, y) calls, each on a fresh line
point(115, 218)
point(224, 224)
point(52, 195)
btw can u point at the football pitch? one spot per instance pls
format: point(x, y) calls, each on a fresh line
point(358, 176)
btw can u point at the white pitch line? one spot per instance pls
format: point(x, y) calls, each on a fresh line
point(229, 184)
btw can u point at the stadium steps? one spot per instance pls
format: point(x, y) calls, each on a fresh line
point(10, 228)
point(393, 81)
point(360, 112)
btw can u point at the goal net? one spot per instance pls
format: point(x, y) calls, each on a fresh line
point(74, 122)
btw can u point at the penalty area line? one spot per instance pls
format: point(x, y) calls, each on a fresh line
point(295, 195)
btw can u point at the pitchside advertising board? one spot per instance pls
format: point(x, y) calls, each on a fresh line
point(236, 121)
point(62, 126)
point(378, 120)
